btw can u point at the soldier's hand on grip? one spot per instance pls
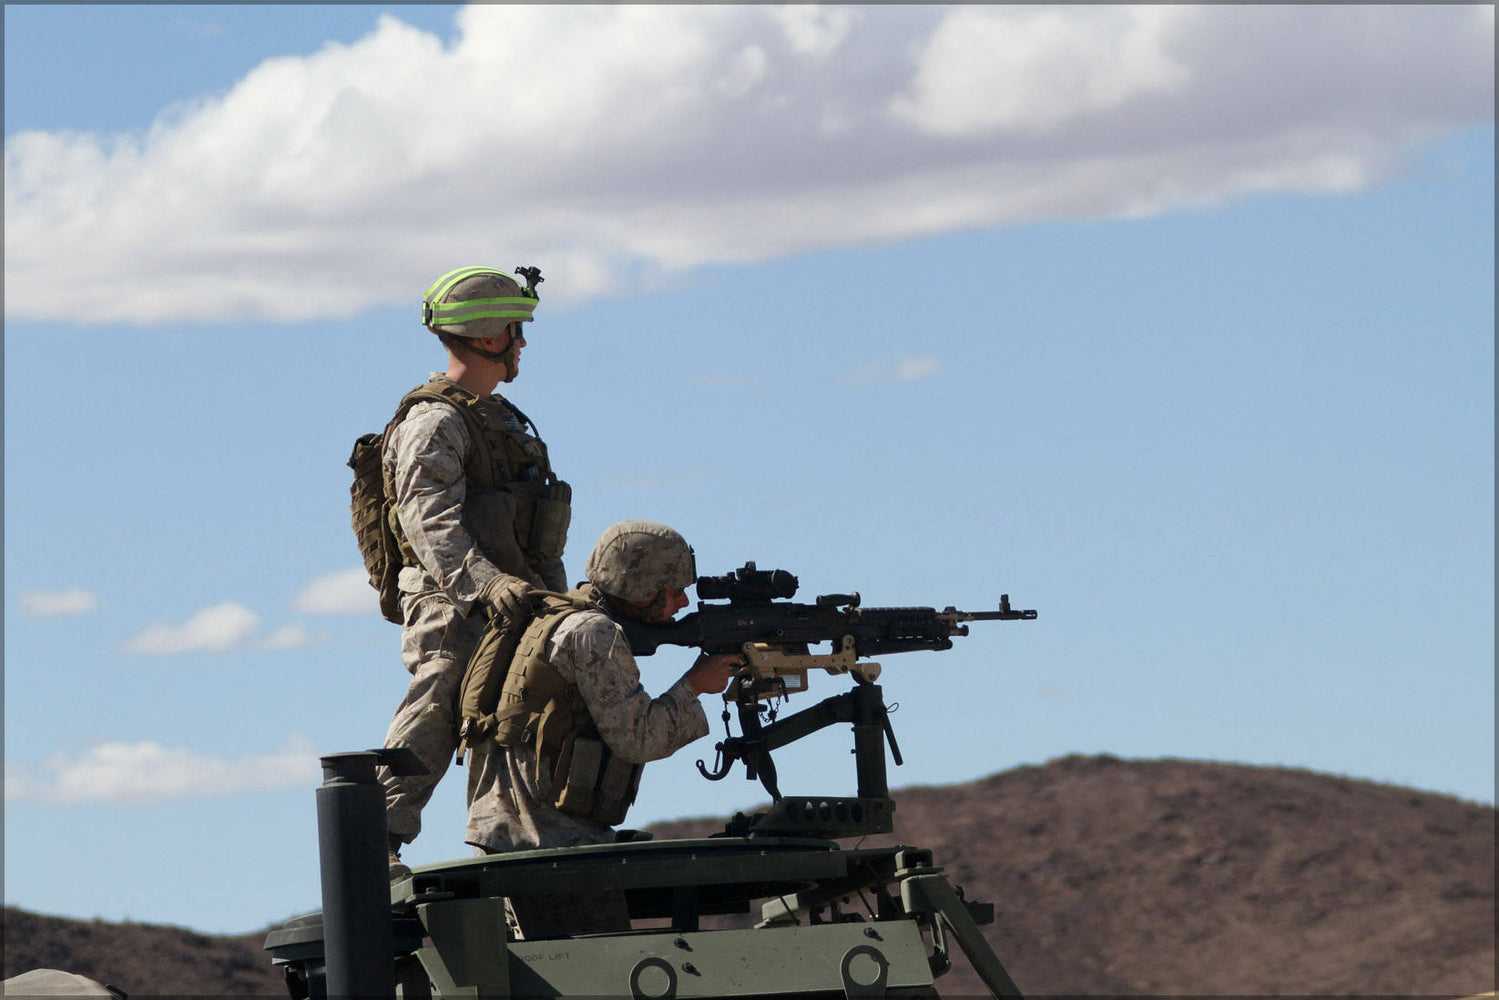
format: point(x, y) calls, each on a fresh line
point(711, 674)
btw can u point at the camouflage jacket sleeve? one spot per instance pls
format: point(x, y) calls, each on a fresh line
point(424, 456)
point(590, 651)
point(553, 576)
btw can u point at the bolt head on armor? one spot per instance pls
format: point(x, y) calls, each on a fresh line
point(474, 302)
point(636, 560)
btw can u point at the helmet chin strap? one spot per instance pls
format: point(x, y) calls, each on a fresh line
point(503, 354)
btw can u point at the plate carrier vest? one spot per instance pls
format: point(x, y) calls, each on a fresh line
point(513, 695)
point(515, 507)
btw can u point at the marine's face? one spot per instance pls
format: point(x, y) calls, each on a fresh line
point(676, 600)
point(662, 608)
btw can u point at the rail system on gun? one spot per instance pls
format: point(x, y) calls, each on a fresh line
point(776, 635)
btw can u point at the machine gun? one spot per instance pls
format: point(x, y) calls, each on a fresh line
point(774, 635)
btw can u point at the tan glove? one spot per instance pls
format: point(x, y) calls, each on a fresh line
point(507, 595)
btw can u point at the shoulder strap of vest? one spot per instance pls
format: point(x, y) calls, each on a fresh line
point(580, 598)
point(481, 470)
point(552, 609)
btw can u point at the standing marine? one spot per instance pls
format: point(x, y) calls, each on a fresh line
point(475, 514)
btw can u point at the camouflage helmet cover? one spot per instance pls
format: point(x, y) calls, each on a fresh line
point(636, 560)
point(476, 302)
point(56, 983)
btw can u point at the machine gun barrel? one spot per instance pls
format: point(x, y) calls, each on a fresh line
point(1004, 614)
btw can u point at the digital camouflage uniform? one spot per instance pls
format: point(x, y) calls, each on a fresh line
point(424, 459)
point(510, 808)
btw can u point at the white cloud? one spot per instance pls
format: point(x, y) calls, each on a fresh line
point(1028, 69)
point(894, 370)
point(145, 772)
point(58, 603)
point(621, 142)
point(346, 592)
point(916, 369)
point(215, 629)
point(288, 637)
point(815, 30)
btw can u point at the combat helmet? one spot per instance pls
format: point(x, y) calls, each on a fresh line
point(473, 302)
point(636, 560)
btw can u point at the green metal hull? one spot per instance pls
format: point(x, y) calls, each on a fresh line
point(805, 919)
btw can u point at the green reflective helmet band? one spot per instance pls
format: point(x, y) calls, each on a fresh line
point(448, 313)
point(445, 284)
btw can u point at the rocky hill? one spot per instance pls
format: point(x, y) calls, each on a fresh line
point(1108, 877)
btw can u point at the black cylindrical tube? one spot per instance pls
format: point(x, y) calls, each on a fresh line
point(358, 942)
point(869, 741)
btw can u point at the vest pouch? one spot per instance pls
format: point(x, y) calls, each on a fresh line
point(523, 496)
point(549, 521)
point(552, 747)
point(616, 791)
point(553, 728)
point(576, 797)
point(525, 456)
point(491, 517)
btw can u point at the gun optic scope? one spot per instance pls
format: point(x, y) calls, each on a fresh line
point(747, 585)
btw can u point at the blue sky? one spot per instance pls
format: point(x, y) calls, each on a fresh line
point(1145, 316)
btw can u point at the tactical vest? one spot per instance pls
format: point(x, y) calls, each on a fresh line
point(537, 708)
point(515, 507)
